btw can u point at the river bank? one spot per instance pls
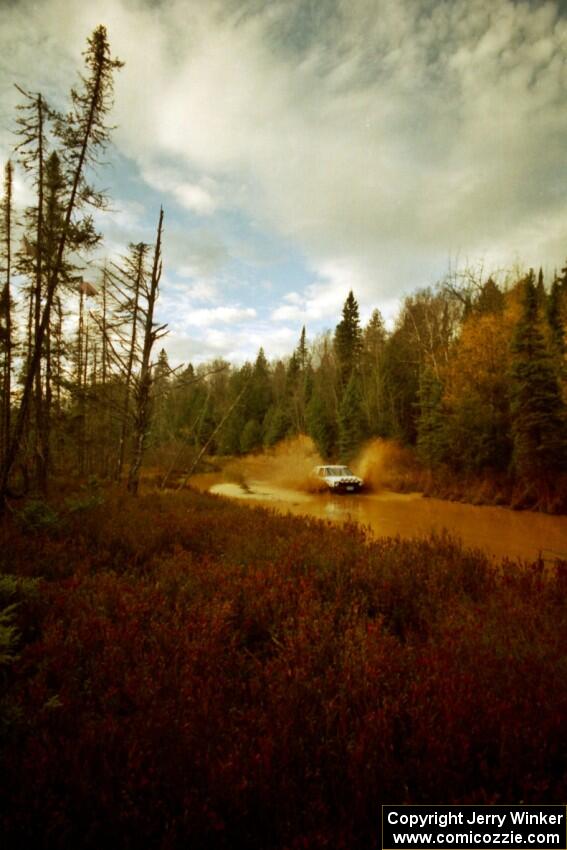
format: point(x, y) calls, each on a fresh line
point(498, 531)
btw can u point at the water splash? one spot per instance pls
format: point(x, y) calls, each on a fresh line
point(289, 464)
point(384, 465)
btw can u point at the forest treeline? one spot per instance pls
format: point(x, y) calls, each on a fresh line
point(473, 375)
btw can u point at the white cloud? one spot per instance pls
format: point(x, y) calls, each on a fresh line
point(235, 345)
point(224, 315)
point(198, 290)
point(406, 132)
point(197, 197)
point(217, 340)
point(323, 299)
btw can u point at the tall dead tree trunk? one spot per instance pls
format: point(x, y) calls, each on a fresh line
point(80, 385)
point(58, 355)
point(41, 425)
point(6, 317)
point(143, 382)
point(34, 113)
point(140, 251)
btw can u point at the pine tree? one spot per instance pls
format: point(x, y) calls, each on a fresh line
point(401, 384)
point(84, 135)
point(541, 293)
point(431, 436)
point(490, 299)
point(351, 418)
point(277, 425)
point(161, 427)
point(251, 437)
point(260, 390)
point(373, 375)
point(321, 424)
point(298, 384)
point(301, 351)
point(538, 412)
point(557, 321)
point(348, 340)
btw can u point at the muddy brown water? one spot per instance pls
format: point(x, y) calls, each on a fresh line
point(500, 532)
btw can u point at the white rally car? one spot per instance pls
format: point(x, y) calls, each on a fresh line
point(339, 479)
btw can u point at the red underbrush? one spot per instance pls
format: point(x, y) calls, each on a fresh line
point(197, 673)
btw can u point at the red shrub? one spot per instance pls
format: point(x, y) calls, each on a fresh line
point(200, 673)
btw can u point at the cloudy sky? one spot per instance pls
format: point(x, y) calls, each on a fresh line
point(302, 148)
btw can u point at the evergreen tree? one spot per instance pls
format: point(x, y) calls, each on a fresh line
point(401, 384)
point(161, 425)
point(431, 436)
point(259, 396)
point(373, 375)
point(251, 437)
point(321, 425)
point(277, 425)
point(557, 321)
point(490, 299)
point(374, 338)
point(540, 289)
point(301, 352)
point(229, 436)
point(348, 340)
point(538, 411)
point(292, 374)
point(83, 134)
point(351, 419)
point(298, 384)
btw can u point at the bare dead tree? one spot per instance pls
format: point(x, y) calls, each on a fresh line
point(31, 149)
point(133, 278)
point(143, 381)
point(6, 338)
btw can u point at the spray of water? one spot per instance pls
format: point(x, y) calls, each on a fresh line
point(288, 465)
point(384, 465)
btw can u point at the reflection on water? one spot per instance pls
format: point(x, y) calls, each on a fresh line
point(499, 531)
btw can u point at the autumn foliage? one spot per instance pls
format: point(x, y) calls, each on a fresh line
point(195, 673)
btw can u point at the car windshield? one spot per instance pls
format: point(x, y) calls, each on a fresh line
point(335, 471)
